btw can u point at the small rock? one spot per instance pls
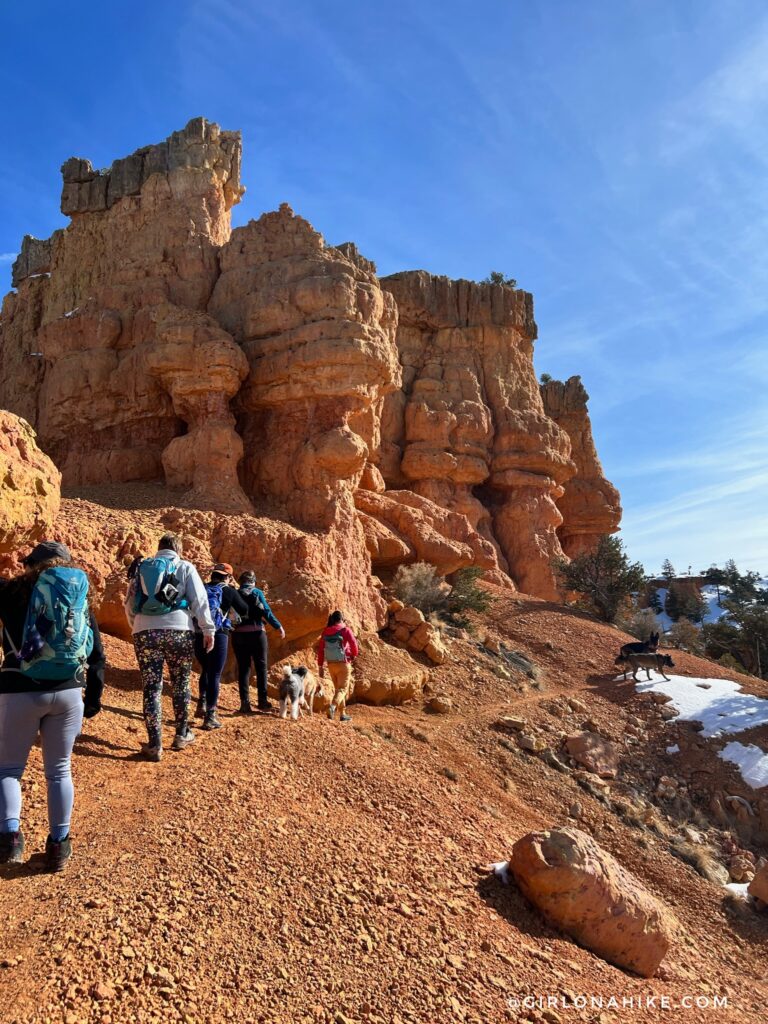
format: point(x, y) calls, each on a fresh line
point(440, 704)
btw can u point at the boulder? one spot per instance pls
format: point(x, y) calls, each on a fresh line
point(410, 617)
point(596, 753)
point(435, 651)
point(440, 704)
point(583, 890)
point(30, 487)
point(385, 674)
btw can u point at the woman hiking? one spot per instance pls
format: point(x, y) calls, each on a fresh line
point(164, 596)
point(222, 599)
point(338, 648)
point(51, 650)
point(249, 642)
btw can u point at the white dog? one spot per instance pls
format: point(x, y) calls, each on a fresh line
point(297, 688)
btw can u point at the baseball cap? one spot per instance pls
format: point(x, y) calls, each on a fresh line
point(46, 551)
point(222, 569)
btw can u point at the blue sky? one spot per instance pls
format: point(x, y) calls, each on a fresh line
point(613, 157)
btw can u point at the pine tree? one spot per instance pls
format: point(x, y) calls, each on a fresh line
point(497, 277)
point(668, 570)
point(605, 578)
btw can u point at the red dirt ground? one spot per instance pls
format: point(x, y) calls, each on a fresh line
point(320, 872)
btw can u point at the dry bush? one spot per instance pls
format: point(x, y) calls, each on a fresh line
point(420, 586)
point(640, 622)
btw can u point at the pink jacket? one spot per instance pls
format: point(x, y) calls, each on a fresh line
point(350, 644)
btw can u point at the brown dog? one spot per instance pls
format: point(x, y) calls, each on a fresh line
point(646, 661)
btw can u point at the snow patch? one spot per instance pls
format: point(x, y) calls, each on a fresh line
point(722, 708)
point(72, 312)
point(501, 870)
point(738, 889)
point(751, 761)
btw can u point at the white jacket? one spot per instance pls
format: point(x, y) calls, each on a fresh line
point(180, 618)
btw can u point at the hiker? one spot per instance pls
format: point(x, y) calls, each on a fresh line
point(249, 642)
point(337, 648)
point(51, 650)
point(163, 597)
point(222, 599)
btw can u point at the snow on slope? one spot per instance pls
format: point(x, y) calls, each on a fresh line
point(723, 709)
point(714, 611)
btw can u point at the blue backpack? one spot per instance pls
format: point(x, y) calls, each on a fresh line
point(158, 587)
point(215, 592)
point(57, 637)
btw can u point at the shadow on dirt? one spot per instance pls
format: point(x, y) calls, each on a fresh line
point(509, 903)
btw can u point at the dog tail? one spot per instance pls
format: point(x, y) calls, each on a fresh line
point(287, 671)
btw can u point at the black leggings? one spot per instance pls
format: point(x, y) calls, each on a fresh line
point(251, 647)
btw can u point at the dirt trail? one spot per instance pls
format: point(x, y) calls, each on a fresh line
point(278, 872)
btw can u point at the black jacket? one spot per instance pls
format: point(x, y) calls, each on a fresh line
point(14, 598)
point(232, 598)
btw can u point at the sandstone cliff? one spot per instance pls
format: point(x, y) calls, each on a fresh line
point(264, 371)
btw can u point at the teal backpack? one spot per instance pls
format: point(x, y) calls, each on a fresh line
point(334, 648)
point(57, 636)
point(159, 589)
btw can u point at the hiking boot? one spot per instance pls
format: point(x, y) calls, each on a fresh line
point(57, 853)
point(345, 718)
point(265, 705)
point(211, 721)
point(183, 739)
point(332, 711)
point(202, 708)
point(245, 709)
point(150, 752)
point(11, 847)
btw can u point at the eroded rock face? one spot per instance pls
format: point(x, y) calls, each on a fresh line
point(583, 890)
point(96, 297)
point(29, 487)
point(305, 574)
point(590, 506)
point(468, 429)
point(318, 332)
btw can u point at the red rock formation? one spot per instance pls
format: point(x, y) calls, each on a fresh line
point(144, 234)
point(133, 329)
point(584, 891)
point(30, 487)
point(590, 506)
point(468, 430)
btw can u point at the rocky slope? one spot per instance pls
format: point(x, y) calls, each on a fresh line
point(260, 368)
point(317, 873)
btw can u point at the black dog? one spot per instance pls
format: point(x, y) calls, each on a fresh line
point(649, 646)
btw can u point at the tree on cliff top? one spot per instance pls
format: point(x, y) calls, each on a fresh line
point(668, 570)
point(605, 578)
point(497, 277)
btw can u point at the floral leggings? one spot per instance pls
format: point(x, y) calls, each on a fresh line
point(173, 647)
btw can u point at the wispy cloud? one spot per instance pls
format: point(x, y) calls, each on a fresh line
point(8, 257)
point(732, 99)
